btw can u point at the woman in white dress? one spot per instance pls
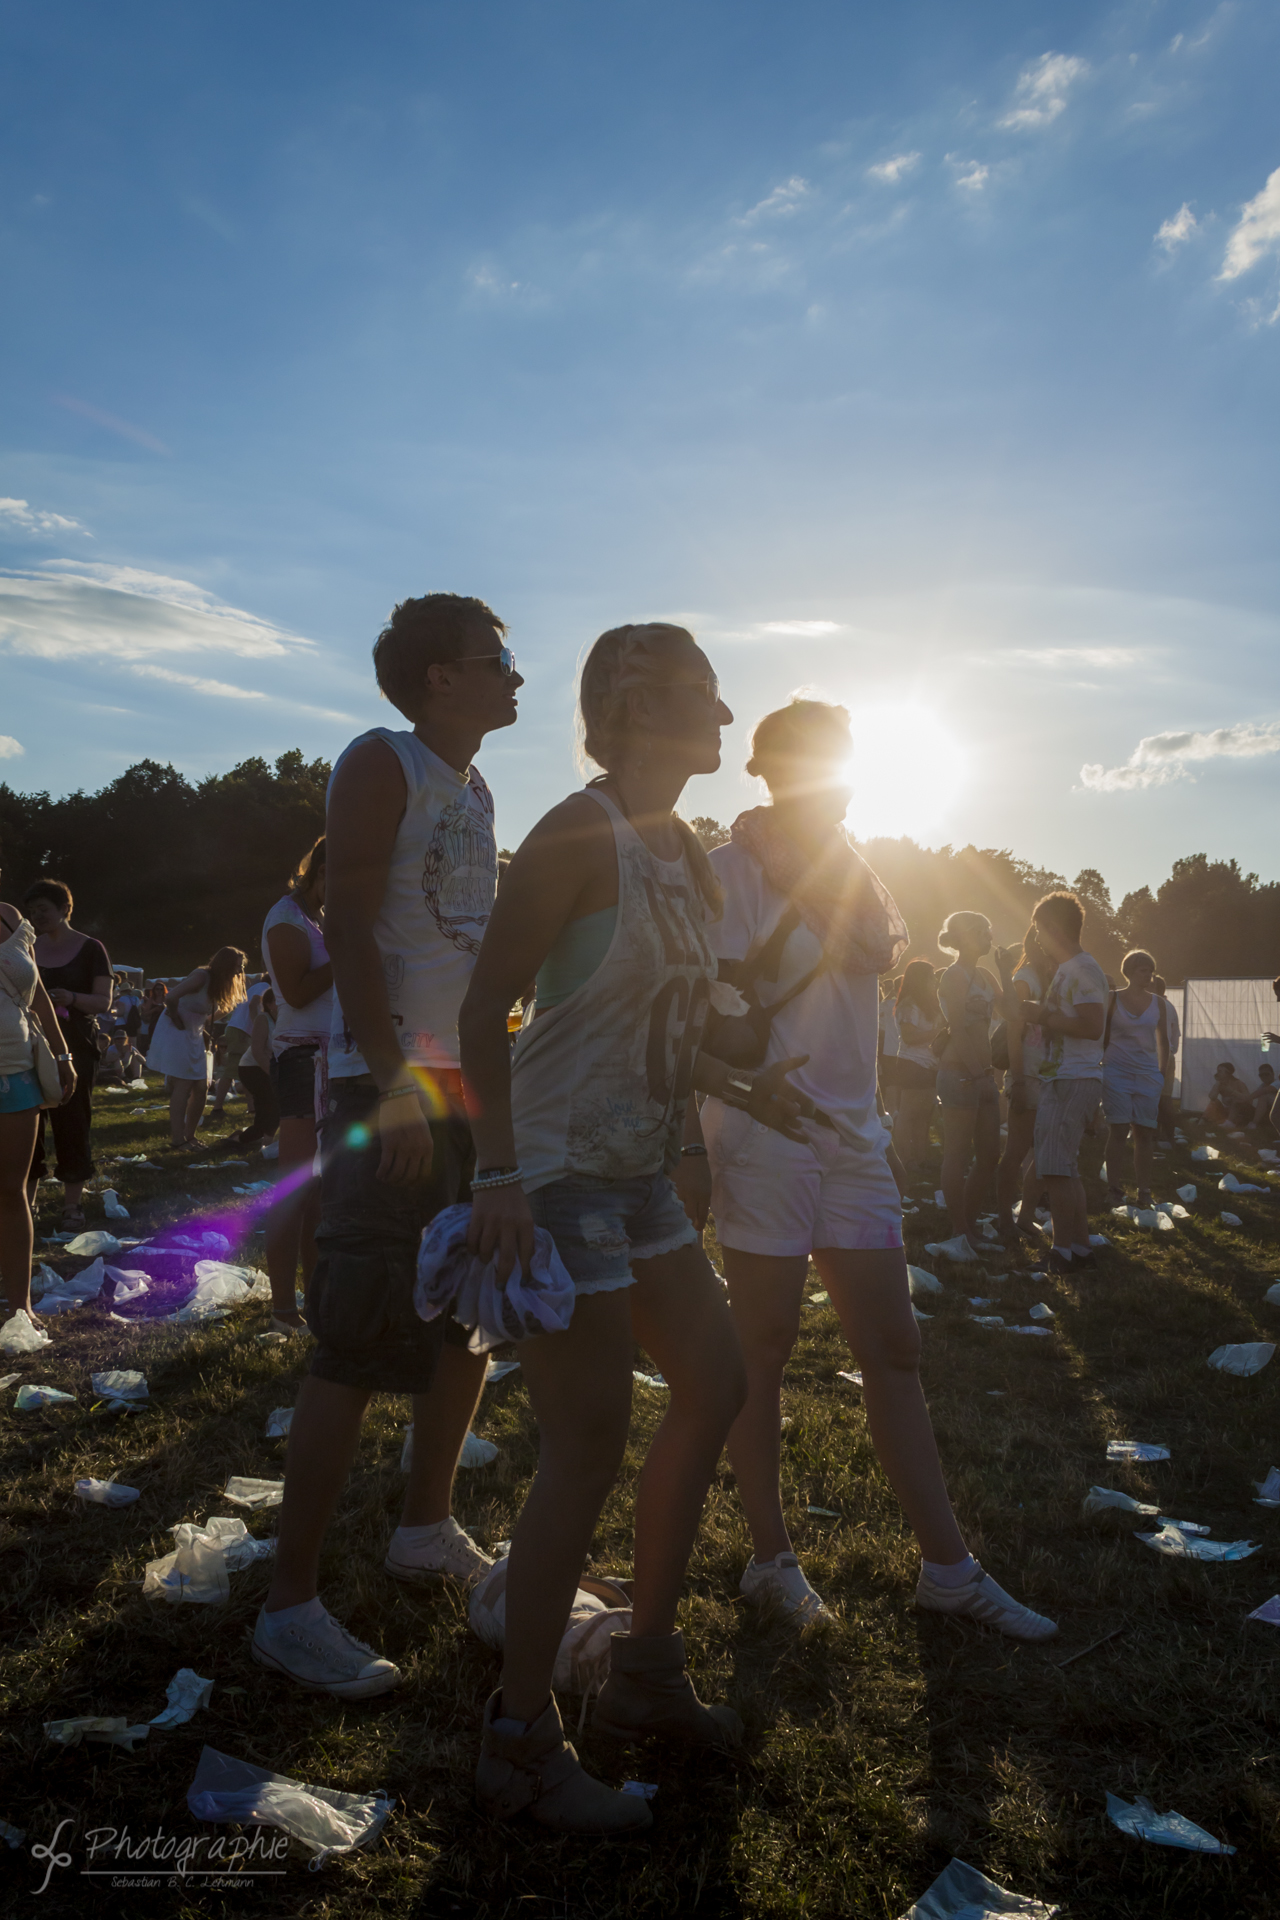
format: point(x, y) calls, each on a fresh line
point(177, 1047)
point(1135, 1052)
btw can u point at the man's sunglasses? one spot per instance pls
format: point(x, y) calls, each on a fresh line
point(504, 660)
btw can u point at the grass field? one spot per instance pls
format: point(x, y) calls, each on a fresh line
point(877, 1748)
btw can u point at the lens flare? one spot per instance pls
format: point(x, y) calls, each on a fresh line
point(907, 771)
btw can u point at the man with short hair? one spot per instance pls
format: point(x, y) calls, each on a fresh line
point(1071, 1018)
point(412, 869)
point(1229, 1103)
point(1168, 1112)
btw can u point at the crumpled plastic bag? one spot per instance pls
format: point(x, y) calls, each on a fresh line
point(19, 1334)
point(1248, 1357)
point(475, 1451)
point(1173, 1541)
point(244, 1491)
point(32, 1396)
point(1136, 1450)
point(1152, 1219)
point(1268, 1489)
point(600, 1608)
point(499, 1369)
point(204, 1557)
point(1044, 1333)
point(1099, 1499)
point(106, 1493)
point(1041, 1312)
point(1187, 1193)
point(279, 1421)
point(654, 1380)
point(921, 1281)
point(123, 1388)
point(854, 1378)
point(988, 1320)
point(1229, 1184)
point(226, 1789)
point(111, 1205)
point(1269, 1611)
point(1272, 1295)
point(1231, 1219)
point(111, 1731)
point(956, 1249)
point(540, 1301)
point(960, 1892)
point(1164, 1829)
point(186, 1694)
point(1205, 1153)
point(94, 1242)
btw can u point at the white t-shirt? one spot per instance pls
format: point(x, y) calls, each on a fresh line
point(1032, 1037)
point(298, 1026)
point(441, 883)
point(835, 1020)
point(916, 1029)
point(1079, 982)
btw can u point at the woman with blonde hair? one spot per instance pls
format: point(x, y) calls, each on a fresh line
point(607, 905)
point(177, 1047)
point(795, 888)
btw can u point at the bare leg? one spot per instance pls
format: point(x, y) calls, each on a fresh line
point(195, 1107)
point(291, 1222)
point(579, 1384)
point(17, 1146)
point(957, 1151)
point(764, 1298)
point(1144, 1144)
point(986, 1143)
point(1022, 1127)
point(1117, 1160)
point(221, 1088)
point(440, 1421)
point(1070, 1209)
point(322, 1445)
point(870, 1294)
point(179, 1094)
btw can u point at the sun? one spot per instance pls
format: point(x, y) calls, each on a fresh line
point(907, 771)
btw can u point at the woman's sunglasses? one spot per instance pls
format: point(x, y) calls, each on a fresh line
point(504, 660)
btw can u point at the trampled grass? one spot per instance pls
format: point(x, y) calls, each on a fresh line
point(877, 1748)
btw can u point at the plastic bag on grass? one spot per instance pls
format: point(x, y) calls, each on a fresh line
point(32, 1396)
point(19, 1334)
point(1173, 1541)
point(1272, 1295)
point(1041, 1312)
point(123, 1388)
point(600, 1608)
point(279, 1421)
point(540, 1301)
point(1268, 1489)
point(956, 1249)
point(1229, 1184)
point(226, 1789)
point(1269, 1611)
point(112, 1731)
point(1187, 1193)
point(106, 1493)
point(186, 1694)
point(1231, 1219)
point(921, 1281)
point(1205, 1153)
point(90, 1244)
point(111, 1205)
point(960, 1892)
point(1136, 1450)
point(244, 1491)
point(1164, 1829)
point(475, 1451)
point(1248, 1357)
point(1100, 1499)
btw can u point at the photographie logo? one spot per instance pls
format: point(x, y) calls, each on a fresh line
point(149, 1859)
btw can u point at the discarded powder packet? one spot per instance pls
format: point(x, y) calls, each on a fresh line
point(1099, 1499)
point(1136, 1450)
point(654, 1380)
point(499, 1369)
point(1174, 1542)
point(106, 1493)
point(1268, 1489)
point(642, 1789)
point(227, 1789)
point(30, 1396)
point(186, 1694)
point(279, 1420)
point(113, 1731)
point(1268, 1611)
point(1164, 1829)
point(1244, 1359)
point(244, 1491)
point(960, 1892)
point(920, 1280)
point(854, 1378)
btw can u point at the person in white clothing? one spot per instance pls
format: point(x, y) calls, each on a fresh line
point(832, 1196)
point(411, 868)
point(1135, 1054)
point(302, 976)
point(608, 904)
point(1017, 1170)
point(1071, 1017)
point(178, 1047)
point(968, 994)
point(912, 1072)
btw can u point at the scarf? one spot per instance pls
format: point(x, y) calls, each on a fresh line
point(839, 898)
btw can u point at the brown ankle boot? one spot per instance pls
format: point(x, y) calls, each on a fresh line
point(539, 1771)
point(648, 1691)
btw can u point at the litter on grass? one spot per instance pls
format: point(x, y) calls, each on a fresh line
point(821, 1299)
point(854, 1378)
point(499, 1369)
point(1173, 1541)
point(642, 1789)
point(1205, 1153)
point(1272, 1295)
point(106, 1493)
point(226, 1789)
point(186, 1694)
point(7, 1380)
point(1250, 1356)
point(122, 1388)
point(29, 1397)
point(957, 1250)
point(475, 1451)
point(1099, 1499)
point(1269, 1611)
point(1164, 1829)
point(1041, 1312)
point(93, 1243)
point(654, 1380)
point(1187, 1193)
point(1136, 1450)
point(244, 1491)
point(198, 1568)
point(1043, 1333)
point(20, 1334)
point(920, 1316)
point(920, 1280)
point(1268, 1489)
point(279, 1420)
point(960, 1892)
point(1099, 1240)
point(825, 1513)
point(12, 1836)
point(1231, 1219)
point(111, 1205)
point(112, 1732)
point(600, 1609)
point(939, 1197)
point(1152, 1219)
point(988, 1320)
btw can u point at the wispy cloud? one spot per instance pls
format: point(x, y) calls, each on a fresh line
point(19, 513)
point(78, 610)
point(1163, 757)
point(784, 200)
point(804, 629)
point(1074, 656)
point(222, 688)
point(112, 422)
point(969, 174)
point(9, 747)
point(1181, 227)
point(894, 168)
point(1257, 233)
point(1041, 93)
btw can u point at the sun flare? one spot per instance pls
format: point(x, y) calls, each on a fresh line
point(907, 771)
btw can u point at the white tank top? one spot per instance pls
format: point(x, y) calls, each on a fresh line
point(599, 1082)
point(1132, 1046)
point(440, 887)
point(298, 1026)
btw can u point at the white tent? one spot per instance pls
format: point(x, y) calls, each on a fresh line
point(1225, 1020)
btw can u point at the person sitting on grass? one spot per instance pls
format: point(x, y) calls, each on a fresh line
point(1230, 1104)
point(1071, 1018)
point(1263, 1097)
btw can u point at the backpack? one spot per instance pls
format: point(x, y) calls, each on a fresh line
point(742, 1040)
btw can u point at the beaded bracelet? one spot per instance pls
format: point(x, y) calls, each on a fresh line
point(496, 1177)
point(397, 1093)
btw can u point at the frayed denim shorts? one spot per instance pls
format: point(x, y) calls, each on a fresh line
point(601, 1226)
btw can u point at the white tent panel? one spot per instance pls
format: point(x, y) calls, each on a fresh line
point(1224, 1020)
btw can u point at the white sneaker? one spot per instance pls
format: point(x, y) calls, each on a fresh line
point(322, 1655)
point(981, 1599)
point(452, 1555)
point(781, 1583)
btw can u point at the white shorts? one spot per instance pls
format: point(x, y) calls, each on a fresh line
point(785, 1197)
point(1130, 1105)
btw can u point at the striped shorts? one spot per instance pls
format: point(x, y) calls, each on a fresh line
point(1066, 1107)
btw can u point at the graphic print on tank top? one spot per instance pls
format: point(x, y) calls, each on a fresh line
point(460, 870)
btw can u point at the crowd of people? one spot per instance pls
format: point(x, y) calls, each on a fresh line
point(702, 1036)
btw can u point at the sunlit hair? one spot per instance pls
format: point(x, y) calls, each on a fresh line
point(56, 892)
point(1141, 956)
point(308, 868)
point(226, 980)
point(1063, 912)
point(425, 633)
point(1035, 959)
point(961, 926)
point(793, 738)
point(918, 988)
point(622, 660)
point(1158, 983)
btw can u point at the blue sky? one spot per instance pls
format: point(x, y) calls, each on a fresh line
point(924, 355)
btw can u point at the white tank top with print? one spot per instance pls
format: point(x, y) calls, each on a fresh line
point(440, 887)
point(599, 1082)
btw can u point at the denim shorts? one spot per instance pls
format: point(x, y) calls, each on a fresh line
point(19, 1092)
point(293, 1073)
point(360, 1301)
point(601, 1226)
point(963, 1090)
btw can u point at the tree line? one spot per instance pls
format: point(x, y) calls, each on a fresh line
point(164, 871)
